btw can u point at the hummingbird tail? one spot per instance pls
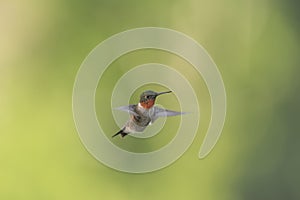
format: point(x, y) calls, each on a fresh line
point(123, 134)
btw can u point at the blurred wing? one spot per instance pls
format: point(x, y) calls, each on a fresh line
point(130, 109)
point(159, 112)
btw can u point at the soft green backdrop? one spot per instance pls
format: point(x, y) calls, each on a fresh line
point(256, 47)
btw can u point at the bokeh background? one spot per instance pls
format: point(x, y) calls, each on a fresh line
point(256, 47)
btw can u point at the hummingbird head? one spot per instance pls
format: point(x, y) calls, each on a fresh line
point(147, 98)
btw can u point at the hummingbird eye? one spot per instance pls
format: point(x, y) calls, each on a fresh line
point(147, 97)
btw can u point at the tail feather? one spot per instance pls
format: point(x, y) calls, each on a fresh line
point(123, 134)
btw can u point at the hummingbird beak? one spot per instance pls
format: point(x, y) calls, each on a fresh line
point(162, 93)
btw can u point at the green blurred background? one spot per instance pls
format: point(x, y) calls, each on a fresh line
point(256, 47)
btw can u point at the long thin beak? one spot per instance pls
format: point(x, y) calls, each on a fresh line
point(162, 93)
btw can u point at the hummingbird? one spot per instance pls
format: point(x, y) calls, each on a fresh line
point(144, 113)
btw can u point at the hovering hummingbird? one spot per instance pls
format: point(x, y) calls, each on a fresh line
point(144, 113)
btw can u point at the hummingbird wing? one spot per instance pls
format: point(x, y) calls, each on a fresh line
point(160, 112)
point(130, 109)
